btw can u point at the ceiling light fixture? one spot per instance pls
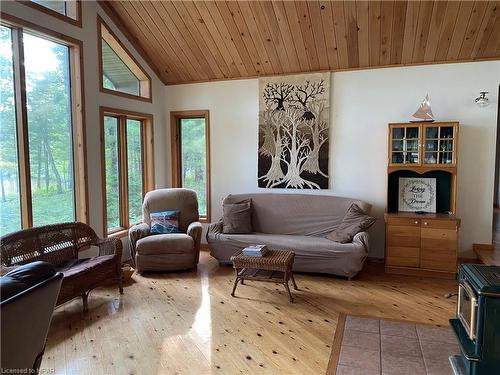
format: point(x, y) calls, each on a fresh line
point(482, 100)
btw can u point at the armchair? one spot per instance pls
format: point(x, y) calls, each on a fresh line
point(167, 252)
point(28, 295)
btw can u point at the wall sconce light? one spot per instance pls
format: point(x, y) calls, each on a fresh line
point(482, 100)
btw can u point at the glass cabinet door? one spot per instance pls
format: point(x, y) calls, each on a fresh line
point(439, 144)
point(405, 145)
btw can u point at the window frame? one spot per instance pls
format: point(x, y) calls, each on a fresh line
point(77, 21)
point(175, 117)
point(145, 84)
point(78, 136)
point(147, 156)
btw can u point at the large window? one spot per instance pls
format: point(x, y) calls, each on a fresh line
point(191, 156)
point(120, 73)
point(42, 170)
point(127, 167)
point(68, 11)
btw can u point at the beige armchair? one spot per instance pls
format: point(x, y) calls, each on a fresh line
point(167, 252)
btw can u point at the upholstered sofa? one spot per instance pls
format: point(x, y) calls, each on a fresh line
point(297, 222)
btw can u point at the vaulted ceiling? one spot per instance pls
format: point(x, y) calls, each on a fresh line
point(194, 41)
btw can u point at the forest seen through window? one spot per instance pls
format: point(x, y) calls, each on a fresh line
point(48, 104)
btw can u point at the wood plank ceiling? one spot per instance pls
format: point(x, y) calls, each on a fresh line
point(195, 41)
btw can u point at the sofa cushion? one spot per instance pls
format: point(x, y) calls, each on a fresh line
point(237, 217)
point(78, 267)
point(176, 243)
point(309, 246)
point(355, 221)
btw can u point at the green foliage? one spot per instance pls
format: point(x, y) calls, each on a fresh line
point(134, 160)
point(49, 133)
point(112, 171)
point(193, 149)
point(134, 165)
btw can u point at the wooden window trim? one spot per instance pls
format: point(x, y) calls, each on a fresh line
point(77, 88)
point(124, 54)
point(175, 116)
point(148, 180)
point(76, 20)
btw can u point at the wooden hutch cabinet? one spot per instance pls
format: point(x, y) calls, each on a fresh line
point(423, 243)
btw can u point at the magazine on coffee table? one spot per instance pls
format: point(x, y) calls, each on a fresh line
point(255, 250)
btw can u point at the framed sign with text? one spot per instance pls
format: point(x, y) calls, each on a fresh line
point(417, 194)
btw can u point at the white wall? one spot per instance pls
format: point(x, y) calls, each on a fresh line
point(363, 103)
point(94, 98)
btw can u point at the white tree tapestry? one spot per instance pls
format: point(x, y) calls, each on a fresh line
point(293, 131)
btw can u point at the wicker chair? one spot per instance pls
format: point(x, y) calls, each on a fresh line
point(60, 244)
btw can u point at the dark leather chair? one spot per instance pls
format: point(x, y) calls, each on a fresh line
point(28, 296)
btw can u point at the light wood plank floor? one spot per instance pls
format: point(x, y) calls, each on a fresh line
point(187, 322)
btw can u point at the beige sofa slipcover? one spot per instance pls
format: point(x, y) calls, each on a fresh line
point(297, 222)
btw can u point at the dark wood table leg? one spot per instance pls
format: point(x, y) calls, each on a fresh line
point(285, 283)
point(235, 282)
point(293, 281)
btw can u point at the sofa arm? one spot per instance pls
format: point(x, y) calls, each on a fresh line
point(362, 238)
point(110, 246)
point(194, 230)
point(215, 228)
point(135, 234)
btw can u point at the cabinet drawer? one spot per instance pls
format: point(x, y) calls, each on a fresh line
point(404, 221)
point(403, 236)
point(439, 224)
point(402, 256)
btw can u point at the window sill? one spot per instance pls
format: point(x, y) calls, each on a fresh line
point(119, 234)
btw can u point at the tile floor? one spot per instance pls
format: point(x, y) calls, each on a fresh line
point(385, 347)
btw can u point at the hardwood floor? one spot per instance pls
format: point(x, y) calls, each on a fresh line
point(187, 322)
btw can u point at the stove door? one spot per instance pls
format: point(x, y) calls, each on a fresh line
point(467, 308)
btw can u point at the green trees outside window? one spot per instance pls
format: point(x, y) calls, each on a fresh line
point(194, 159)
point(49, 130)
point(124, 170)
point(112, 172)
point(134, 165)
point(10, 205)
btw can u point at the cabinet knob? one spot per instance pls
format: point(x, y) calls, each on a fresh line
point(416, 221)
point(425, 222)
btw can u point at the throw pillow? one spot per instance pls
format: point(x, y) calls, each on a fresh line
point(354, 221)
point(237, 217)
point(164, 222)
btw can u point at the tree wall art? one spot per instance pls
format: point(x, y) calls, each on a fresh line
point(293, 131)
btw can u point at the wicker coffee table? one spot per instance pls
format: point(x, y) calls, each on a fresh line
point(275, 267)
